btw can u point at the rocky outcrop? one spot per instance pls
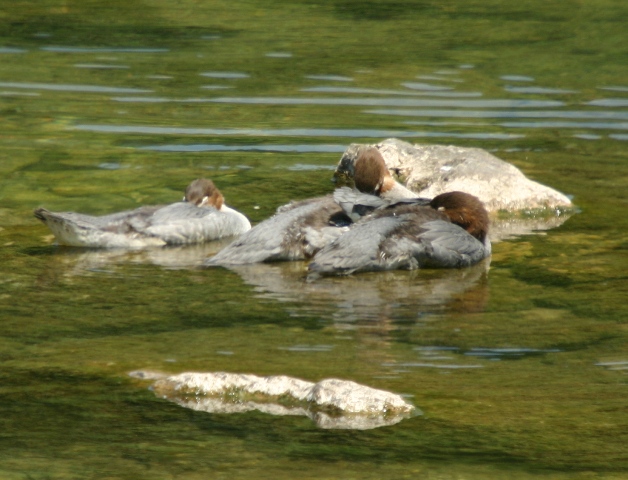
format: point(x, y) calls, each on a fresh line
point(430, 170)
point(331, 403)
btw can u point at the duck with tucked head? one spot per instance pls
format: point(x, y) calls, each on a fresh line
point(296, 232)
point(202, 216)
point(300, 229)
point(369, 174)
point(450, 231)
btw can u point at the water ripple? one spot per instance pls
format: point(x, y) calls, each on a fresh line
point(574, 114)
point(248, 148)
point(332, 78)
point(410, 102)
point(64, 49)
point(439, 79)
point(609, 102)
point(539, 90)
point(72, 88)
point(227, 75)
point(99, 66)
point(594, 125)
point(375, 91)
point(496, 353)
point(614, 89)
point(425, 86)
point(517, 78)
point(289, 132)
point(12, 50)
point(431, 365)
point(279, 55)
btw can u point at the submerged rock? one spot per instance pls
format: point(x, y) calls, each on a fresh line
point(430, 170)
point(331, 403)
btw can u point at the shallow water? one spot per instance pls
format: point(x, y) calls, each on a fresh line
point(519, 367)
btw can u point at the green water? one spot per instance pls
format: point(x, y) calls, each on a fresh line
point(75, 323)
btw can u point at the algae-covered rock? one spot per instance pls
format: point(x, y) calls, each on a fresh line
point(331, 403)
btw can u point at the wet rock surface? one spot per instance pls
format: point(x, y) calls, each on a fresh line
point(330, 403)
point(430, 170)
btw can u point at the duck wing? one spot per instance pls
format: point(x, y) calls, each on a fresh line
point(399, 241)
point(295, 233)
point(185, 223)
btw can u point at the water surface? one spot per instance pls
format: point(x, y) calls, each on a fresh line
point(519, 366)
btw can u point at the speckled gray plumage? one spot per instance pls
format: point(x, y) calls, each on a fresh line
point(296, 232)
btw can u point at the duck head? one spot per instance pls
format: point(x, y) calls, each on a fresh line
point(202, 192)
point(368, 172)
point(464, 210)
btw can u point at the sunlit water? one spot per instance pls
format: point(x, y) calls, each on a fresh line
point(518, 365)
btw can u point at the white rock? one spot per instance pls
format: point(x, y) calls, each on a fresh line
point(331, 403)
point(430, 170)
point(352, 397)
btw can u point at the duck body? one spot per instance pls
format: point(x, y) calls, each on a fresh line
point(449, 232)
point(201, 217)
point(296, 232)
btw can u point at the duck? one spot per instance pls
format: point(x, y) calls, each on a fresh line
point(369, 174)
point(448, 231)
point(300, 229)
point(297, 231)
point(201, 216)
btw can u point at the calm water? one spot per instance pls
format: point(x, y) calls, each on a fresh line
point(519, 367)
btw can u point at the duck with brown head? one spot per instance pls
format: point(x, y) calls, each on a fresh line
point(450, 232)
point(368, 172)
point(201, 217)
point(296, 232)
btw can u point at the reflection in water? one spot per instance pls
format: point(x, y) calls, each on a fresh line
point(321, 419)
point(81, 261)
point(507, 228)
point(358, 301)
point(331, 403)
